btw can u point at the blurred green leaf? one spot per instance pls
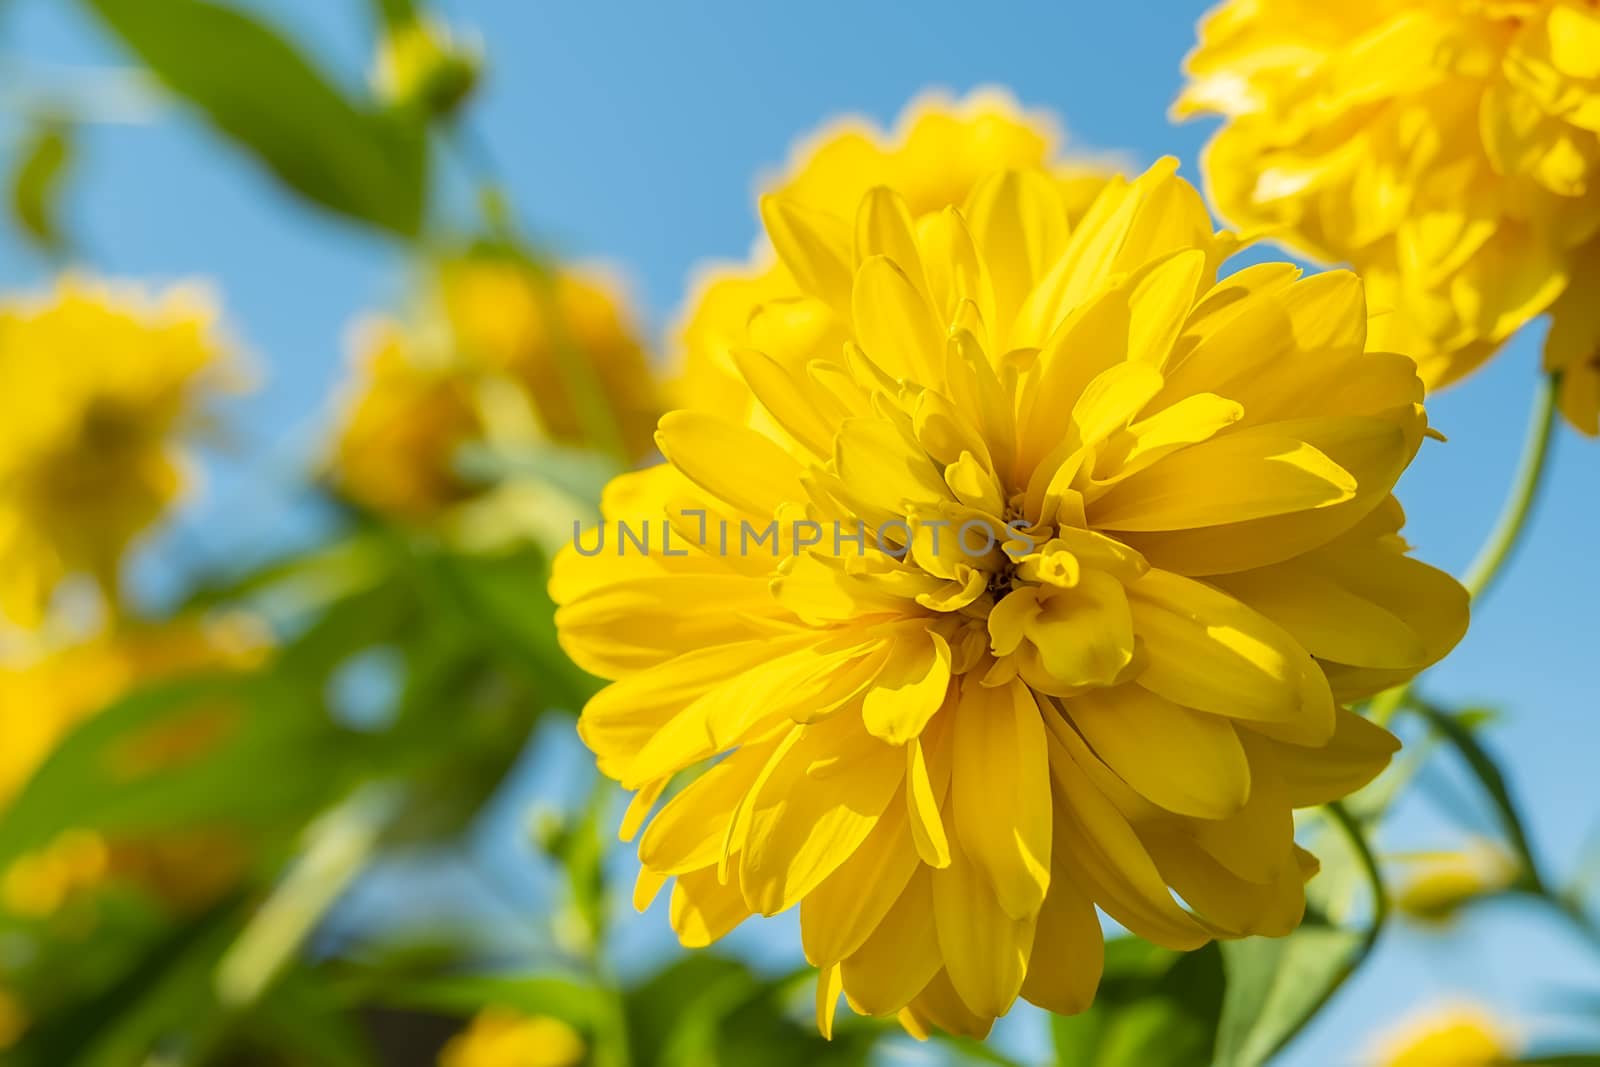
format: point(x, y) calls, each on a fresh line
point(160, 1000)
point(1274, 984)
point(258, 90)
point(1457, 729)
point(1155, 1008)
point(567, 997)
point(274, 761)
point(707, 1011)
point(395, 12)
point(42, 164)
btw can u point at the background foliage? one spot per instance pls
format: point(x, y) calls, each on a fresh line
point(413, 688)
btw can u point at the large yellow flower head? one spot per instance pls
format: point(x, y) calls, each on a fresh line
point(1449, 150)
point(100, 385)
point(1045, 594)
point(937, 152)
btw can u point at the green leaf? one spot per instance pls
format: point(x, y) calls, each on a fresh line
point(258, 90)
point(1155, 1008)
point(275, 761)
point(36, 183)
point(570, 998)
point(707, 1011)
point(1275, 984)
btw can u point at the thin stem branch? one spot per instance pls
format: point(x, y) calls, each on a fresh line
point(1507, 533)
point(1369, 865)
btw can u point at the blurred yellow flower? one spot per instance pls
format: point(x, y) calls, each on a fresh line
point(499, 1037)
point(567, 340)
point(421, 63)
point(563, 351)
point(1447, 150)
point(408, 416)
point(44, 695)
point(937, 152)
point(1069, 556)
point(1437, 885)
point(101, 384)
point(1453, 1036)
point(13, 1019)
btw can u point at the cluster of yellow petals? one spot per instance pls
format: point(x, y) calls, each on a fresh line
point(1437, 885)
point(1462, 1035)
point(936, 153)
point(553, 358)
point(100, 385)
point(500, 1037)
point(1448, 150)
point(949, 757)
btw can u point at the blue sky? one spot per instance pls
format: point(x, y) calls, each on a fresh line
point(633, 133)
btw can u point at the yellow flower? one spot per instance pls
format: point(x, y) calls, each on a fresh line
point(566, 340)
point(1447, 150)
point(938, 151)
point(44, 695)
point(562, 352)
point(1069, 556)
point(409, 416)
point(498, 1037)
point(100, 385)
point(13, 1019)
point(1460, 1036)
point(1439, 884)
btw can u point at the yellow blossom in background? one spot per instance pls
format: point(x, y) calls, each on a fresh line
point(1127, 545)
point(1437, 885)
point(937, 152)
point(498, 1037)
point(410, 410)
point(1454, 1036)
point(502, 351)
point(101, 386)
point(567, 340)
point(45, 694)
point(13, 1019)
point(1449, 151)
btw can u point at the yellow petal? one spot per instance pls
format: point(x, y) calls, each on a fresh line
point(838, 915)
point(1109, 859)
point(703, 910)
point(894, 322)
point(1185, 761)
point(1356, 753)
point(985, 950)
point(1229, 478)
point(927, 780)
point(1065, 971)
point(820, 801)
point(900, 956)
point(1000, 793)
point(732, 463)
point(910, 688)
point(1206, 650)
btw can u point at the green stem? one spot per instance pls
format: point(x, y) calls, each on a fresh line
point(1507, 533)
point(1369, 865)
point(1494, 784)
